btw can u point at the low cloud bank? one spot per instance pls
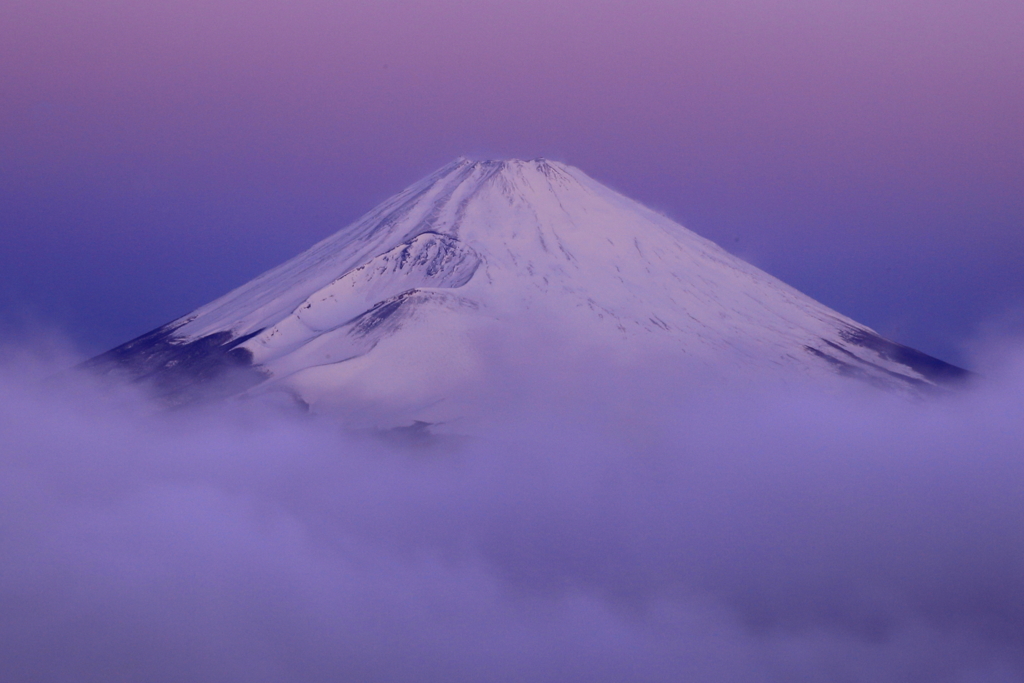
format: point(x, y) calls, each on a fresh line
point(632, 524)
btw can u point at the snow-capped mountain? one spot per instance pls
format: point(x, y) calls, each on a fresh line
point(389, 310)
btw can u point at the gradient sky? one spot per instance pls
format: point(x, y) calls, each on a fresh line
point(155, 154)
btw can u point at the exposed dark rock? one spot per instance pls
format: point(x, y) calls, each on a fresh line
point(366, 322)
point(182, 371)
point(936, 370)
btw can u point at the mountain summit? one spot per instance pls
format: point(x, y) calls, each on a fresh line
point(388, 311)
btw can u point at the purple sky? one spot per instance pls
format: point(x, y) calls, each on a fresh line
point(155, 154)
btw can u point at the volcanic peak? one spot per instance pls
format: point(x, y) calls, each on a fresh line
point(388, 308)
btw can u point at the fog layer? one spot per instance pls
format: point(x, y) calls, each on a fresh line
point(610, 523)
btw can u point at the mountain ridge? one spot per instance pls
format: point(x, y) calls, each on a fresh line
point(477, 243)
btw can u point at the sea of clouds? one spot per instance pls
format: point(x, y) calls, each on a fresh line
point(607, 522)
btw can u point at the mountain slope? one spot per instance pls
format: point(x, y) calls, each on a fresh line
point(388, 311)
